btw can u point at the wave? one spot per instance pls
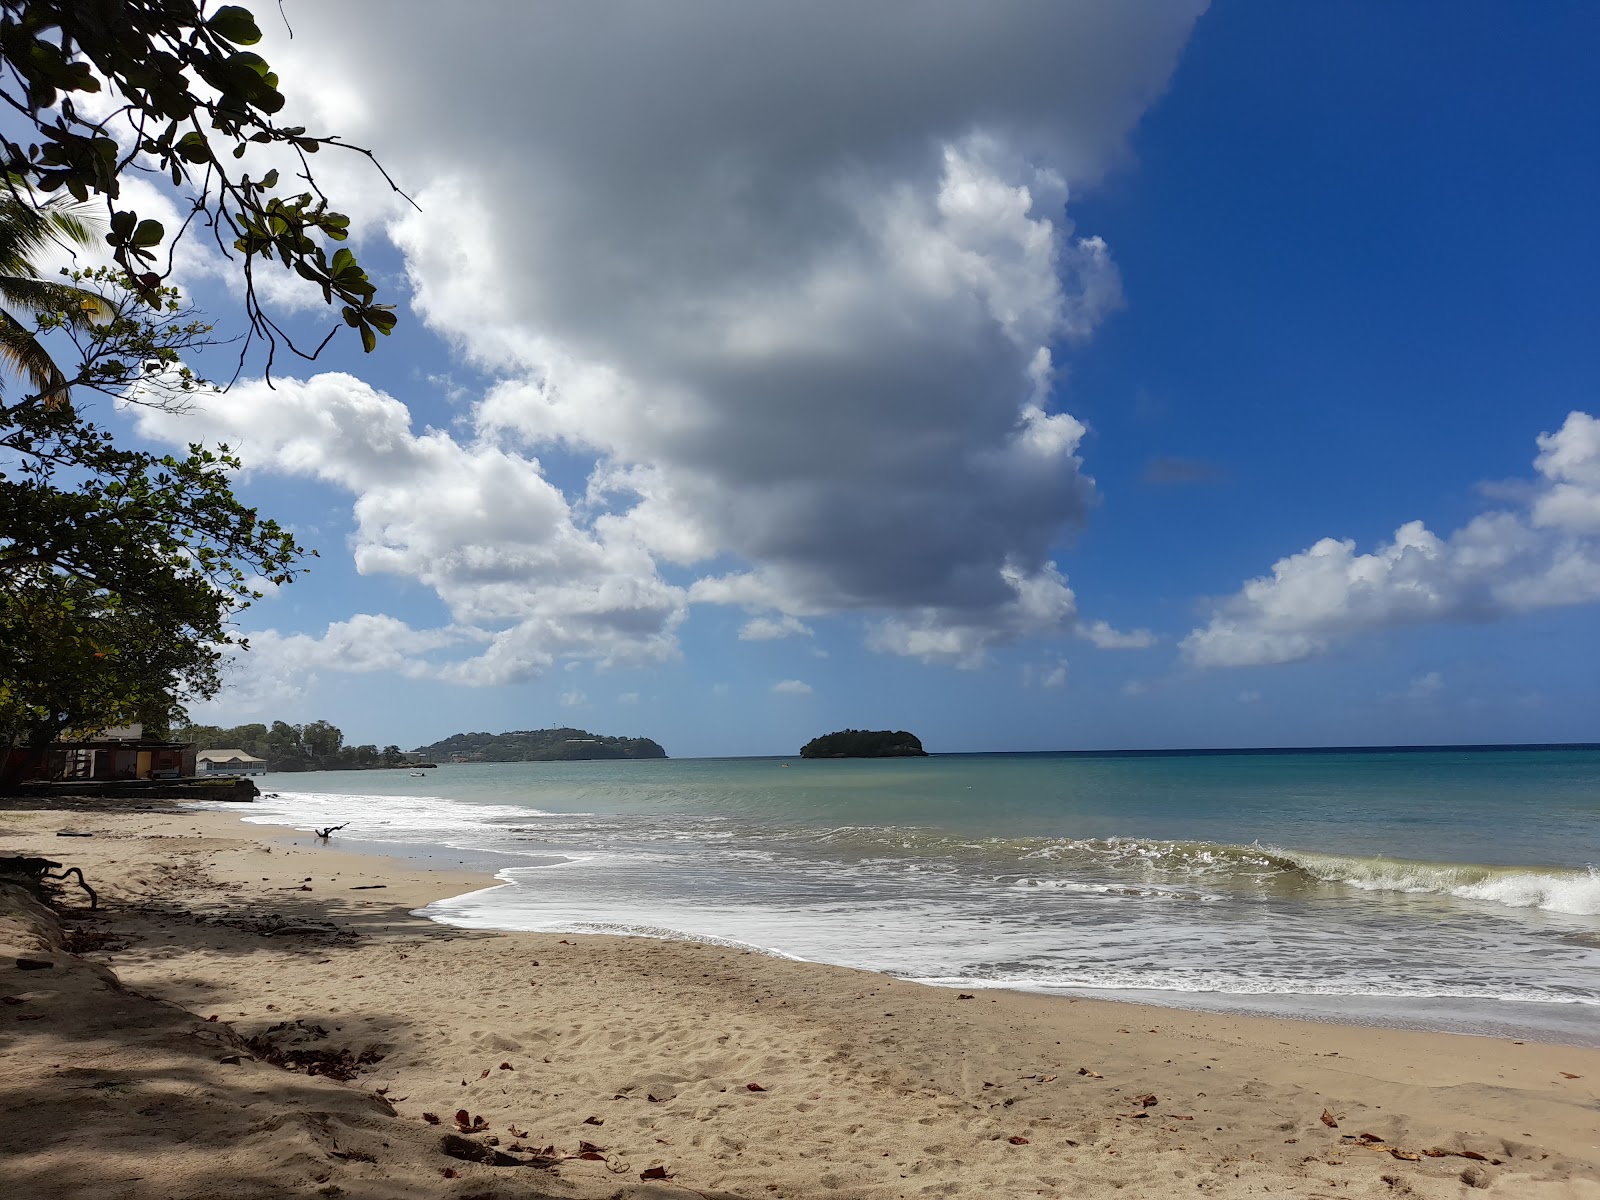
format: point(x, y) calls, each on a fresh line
point(1574, 892)
point(1571, 891)
point(1133, 866)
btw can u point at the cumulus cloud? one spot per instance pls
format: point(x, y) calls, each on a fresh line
point(1040, 603)
point(1545, 553)
point(766, 629)
point(478, 524)
point(1103, 637)
point(573, 699)
point(792, 687)
point(277, 668)
point(795, 277)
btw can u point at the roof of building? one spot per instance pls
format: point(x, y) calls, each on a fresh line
point(228, 756)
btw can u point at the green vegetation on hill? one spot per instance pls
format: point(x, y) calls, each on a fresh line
point(538, 745)
point(864, 743)
point(314, 746)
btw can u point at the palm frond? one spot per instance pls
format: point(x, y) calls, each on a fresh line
point(21, 352)
point(29, 230)
point(79, 306)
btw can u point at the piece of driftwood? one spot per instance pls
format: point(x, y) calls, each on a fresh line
point(39, 869)
point(327, 833)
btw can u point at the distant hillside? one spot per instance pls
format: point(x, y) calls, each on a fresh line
point(864, 743)
point(538, 745)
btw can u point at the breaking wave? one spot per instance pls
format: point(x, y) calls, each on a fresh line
point(1553, 889)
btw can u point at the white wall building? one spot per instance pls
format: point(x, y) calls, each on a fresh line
point(229, 762)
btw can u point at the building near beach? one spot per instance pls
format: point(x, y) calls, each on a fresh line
point(229, 762)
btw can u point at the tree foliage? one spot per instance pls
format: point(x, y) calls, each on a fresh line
point(177, 96)
point(26, 298)
point(864, 743)
point(120, 569)
point(541, 745)
point(315, 746)
point(81, 659)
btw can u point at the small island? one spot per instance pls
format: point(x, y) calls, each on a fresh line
point(538, 745)
point(864, 743)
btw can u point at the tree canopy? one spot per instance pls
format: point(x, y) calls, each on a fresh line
point(864, 743)
point(541, 745)
point(315, 746)
point(178, 97)
point(121, 569)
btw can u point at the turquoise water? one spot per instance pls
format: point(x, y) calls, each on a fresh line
point(1453, 890)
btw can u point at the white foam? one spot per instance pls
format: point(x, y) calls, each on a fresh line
point(1197, 983)
point(1575, 894)
point(392, 818)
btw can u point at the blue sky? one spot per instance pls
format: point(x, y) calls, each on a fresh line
point(753, 350)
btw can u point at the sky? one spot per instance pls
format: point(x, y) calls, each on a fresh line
point(1026, 376)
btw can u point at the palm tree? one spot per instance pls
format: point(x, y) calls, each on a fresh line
point(26, 230)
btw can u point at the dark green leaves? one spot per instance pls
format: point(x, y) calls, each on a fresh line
point(236, 25)
point(203, 102)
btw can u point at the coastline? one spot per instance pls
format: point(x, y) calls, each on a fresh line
point(870, 1086)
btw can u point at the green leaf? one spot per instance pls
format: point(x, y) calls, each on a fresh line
point(252, 62)
point(193, 147)
point(236, 25)
point(149, 233)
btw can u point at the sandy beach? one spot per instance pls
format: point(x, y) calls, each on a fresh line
point(252, 1013)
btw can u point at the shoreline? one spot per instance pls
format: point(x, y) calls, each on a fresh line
point(1550, 1022)
point(869, 1086)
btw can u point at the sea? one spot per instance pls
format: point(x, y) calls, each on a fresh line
point(1454, 890)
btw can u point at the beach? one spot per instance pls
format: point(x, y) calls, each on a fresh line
point(160, 1059)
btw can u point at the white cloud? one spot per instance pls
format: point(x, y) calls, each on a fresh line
point(1104, 637)
point(1250, 697)
point(277, 668)
point(628, 698)
point(478, 524)
point(766, 629)
point(573, 699)
point(1500, 563)
point(1135, 687)
point(1041, 603)
point(802, 319)
point(792, 687)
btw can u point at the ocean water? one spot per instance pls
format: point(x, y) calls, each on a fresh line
point(1442, 890)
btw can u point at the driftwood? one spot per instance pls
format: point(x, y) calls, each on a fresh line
point(40, 869)
point(327, 833)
